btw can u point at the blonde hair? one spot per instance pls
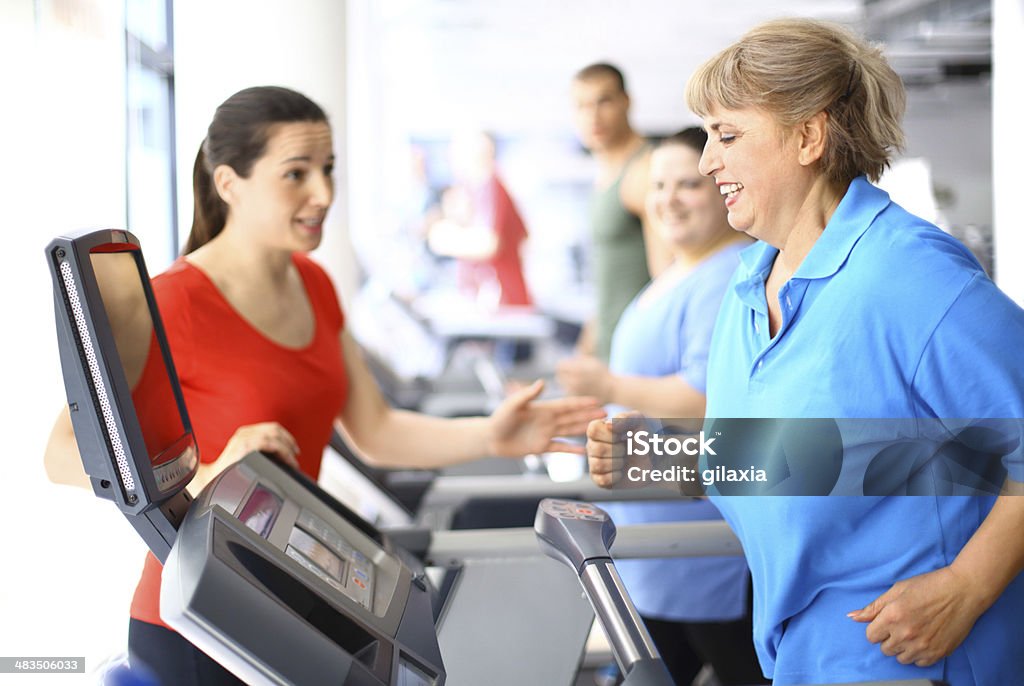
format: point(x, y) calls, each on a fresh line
point(796, 68)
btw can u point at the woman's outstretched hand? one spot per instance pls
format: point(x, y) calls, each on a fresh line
point(523, 425)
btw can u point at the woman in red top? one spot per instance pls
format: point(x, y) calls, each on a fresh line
point(260, 346)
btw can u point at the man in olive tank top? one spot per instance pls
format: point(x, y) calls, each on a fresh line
point(626, 253)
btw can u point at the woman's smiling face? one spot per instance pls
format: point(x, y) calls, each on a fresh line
point(685, 204)
point(754, 162)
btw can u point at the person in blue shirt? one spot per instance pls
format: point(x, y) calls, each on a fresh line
point(695, 609)
point(850, 307)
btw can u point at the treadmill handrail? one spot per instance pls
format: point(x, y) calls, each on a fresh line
point(619, 618)
point(453, 490)
point(634, 541)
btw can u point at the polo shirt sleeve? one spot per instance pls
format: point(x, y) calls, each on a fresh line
point(697, 327)
point(971, 368)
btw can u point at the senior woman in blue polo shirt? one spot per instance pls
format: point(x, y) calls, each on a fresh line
point(850, 307)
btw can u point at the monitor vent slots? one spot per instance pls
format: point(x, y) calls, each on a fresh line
point(114, 437)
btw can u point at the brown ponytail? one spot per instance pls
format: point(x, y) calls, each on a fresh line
point(208, 212)
point(238, 137)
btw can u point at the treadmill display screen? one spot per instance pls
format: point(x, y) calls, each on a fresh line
point(119, 280)
point(322, 556)
point(260, 511)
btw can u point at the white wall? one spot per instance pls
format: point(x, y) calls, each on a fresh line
point(70, 560)
point(1008, 106)
point(950, 126)
point(222, 46)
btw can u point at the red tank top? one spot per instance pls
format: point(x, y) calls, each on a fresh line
point(232, 375)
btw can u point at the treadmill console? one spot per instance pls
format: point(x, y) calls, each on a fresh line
point(342, 600)
point(263, 571)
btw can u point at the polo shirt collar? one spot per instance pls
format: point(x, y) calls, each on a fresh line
point(757, 262)
point(858, 208)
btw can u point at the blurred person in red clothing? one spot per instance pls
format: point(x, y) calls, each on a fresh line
point(481, 227)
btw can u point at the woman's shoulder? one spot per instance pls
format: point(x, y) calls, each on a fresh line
point(906, 253)
point(312, 271)
point(909, 237)
point(305, 263)
point(319, 285)
point(913, 267)
point(177, 280)
point(711, 278)
point(723, 263)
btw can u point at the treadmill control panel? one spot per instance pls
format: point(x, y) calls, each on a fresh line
point(314, 544)
point(321, 550)
point(567, 509)
point(573, 531)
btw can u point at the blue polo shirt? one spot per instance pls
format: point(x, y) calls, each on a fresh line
point(887, 317)
point(670, 333)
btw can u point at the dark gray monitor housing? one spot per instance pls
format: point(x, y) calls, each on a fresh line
point(263, 571)
point(142, 464)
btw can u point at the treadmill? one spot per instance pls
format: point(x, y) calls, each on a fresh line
point(264, 571)
point(272, 577)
